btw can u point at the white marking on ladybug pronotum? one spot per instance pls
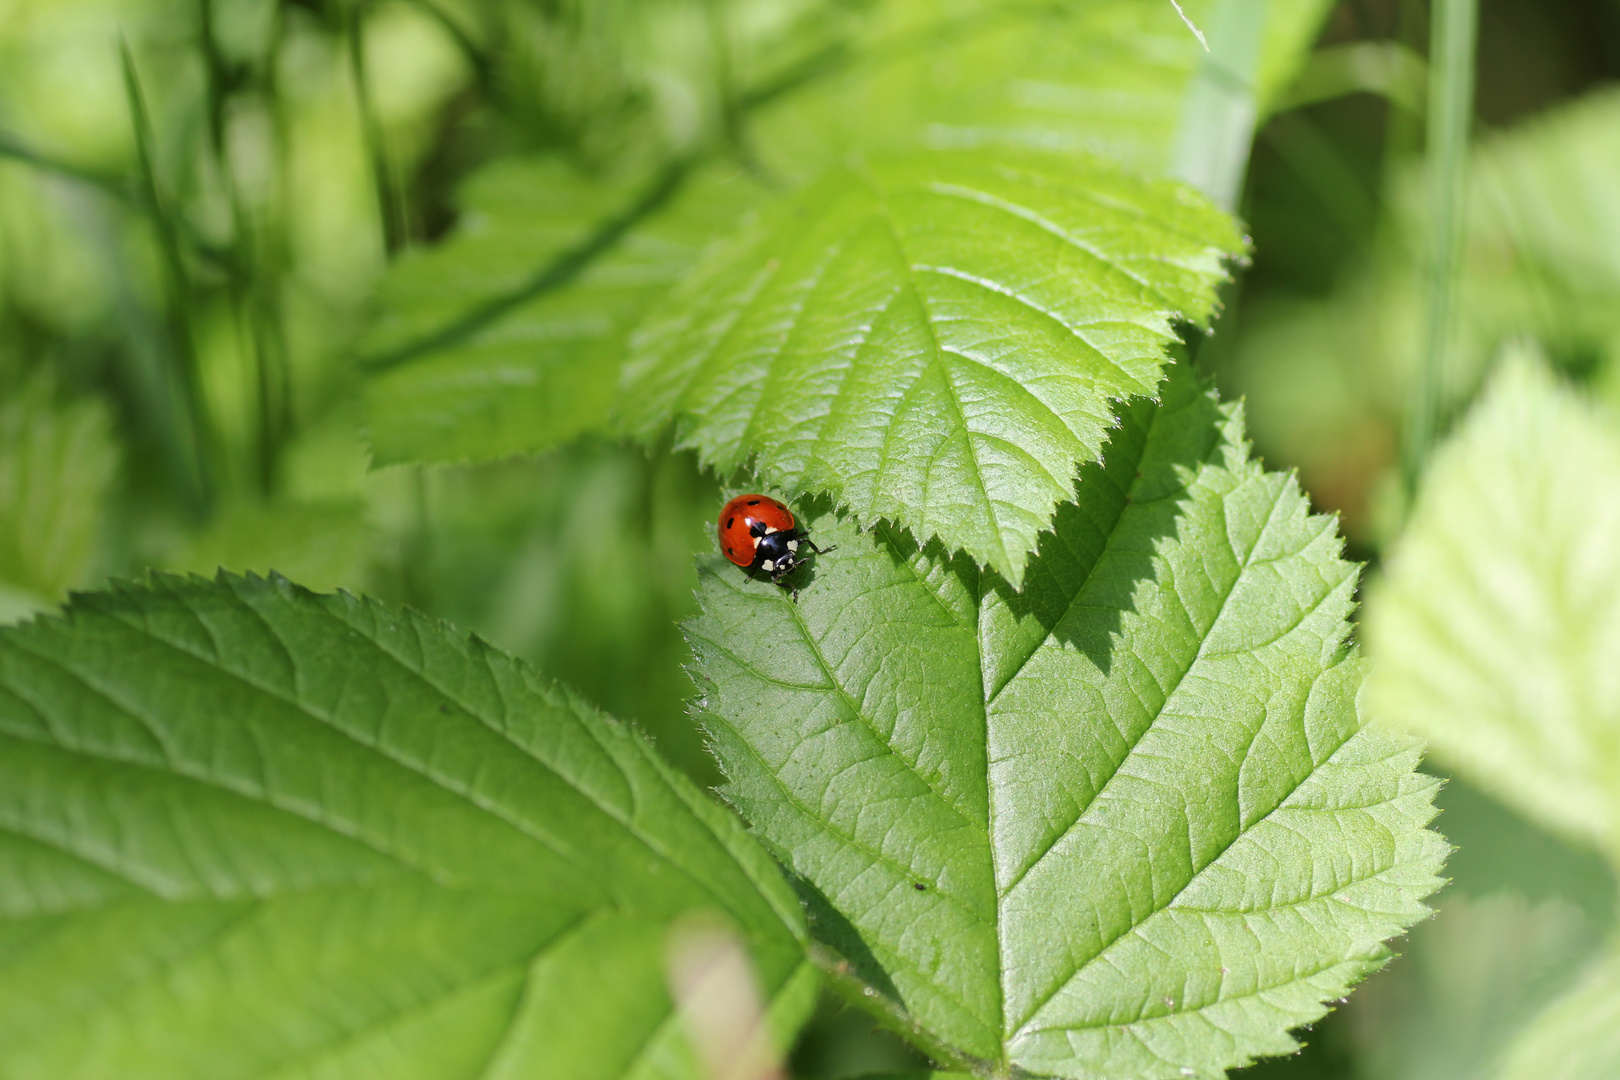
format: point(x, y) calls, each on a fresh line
point(793, 545)
point(771, 529)
point(768, 565)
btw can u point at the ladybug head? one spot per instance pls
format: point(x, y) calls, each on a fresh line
point(778, 554)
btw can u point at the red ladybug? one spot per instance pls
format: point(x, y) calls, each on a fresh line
point(758, 533)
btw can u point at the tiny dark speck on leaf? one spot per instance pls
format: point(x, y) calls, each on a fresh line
point(919, 886)
point(443, 707)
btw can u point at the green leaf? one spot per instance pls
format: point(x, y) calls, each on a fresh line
point(1105, 77)
point(57, 463)
point(1495, 631)
point(939, 339)
point(483, 349)
point(1126, 823)
point(248, 831)
point(1574, 1038)
point(508, 337)
point(323, 545)
point(1468, 980)
point(1327, 380)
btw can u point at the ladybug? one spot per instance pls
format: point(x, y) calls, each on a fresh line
point(759, 533)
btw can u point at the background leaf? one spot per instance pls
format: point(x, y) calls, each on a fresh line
point(1106, 78)
point(1468, 980)
point(494, 343)
point(1495, 630)
point(321, 837)
point(938, 339)
point(322, 545)
point(1327, 369)
point(1125, 824)
point(1577, 1036)
point(57, 463)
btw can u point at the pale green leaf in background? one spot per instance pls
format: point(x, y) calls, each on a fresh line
point(1329, 379)
point(1576, 1037)
point(1103, 77)
point(248, 831)
point(322, 545)
point(938, 339)
point(1468, 980)
point(1495, 629)
point(1127, 823)
point(57, 464)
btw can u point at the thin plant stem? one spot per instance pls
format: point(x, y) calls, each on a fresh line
point(483, 68)
point(245, 267)
point(731, 113)
point(129, 193)
point(1450, 108)
point(390, 206)
point(178, 290)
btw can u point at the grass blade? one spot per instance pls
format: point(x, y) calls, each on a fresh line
point(390, 200)
point(1217, 120)
point(1451, 106)
point(194, 437)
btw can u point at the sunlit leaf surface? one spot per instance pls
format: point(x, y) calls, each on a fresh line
point(481, 350)
point(1127, 823)
point(939, 339)
point(247, 831)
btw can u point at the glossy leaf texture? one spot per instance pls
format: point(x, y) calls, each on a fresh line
point(248, 831)
point(1495, 631)
point(1125, 824)
point(508, 338)
point(939, 339)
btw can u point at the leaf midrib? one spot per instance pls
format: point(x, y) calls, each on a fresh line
point(909, 277)
point(1278, 491)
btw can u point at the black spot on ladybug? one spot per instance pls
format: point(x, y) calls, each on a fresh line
point(729, 520)
point(753, 502)
point(919, 886)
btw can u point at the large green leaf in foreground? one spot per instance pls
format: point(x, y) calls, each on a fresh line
point(940, 339)
point(247, 831)
point(1127, 823)
point(1495, 631)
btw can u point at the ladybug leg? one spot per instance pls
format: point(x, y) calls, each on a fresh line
point(792, 590)
point(818, 550)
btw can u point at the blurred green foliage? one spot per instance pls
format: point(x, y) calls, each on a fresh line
point(201, 200)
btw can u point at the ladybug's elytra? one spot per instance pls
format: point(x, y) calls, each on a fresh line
point(759, 533)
